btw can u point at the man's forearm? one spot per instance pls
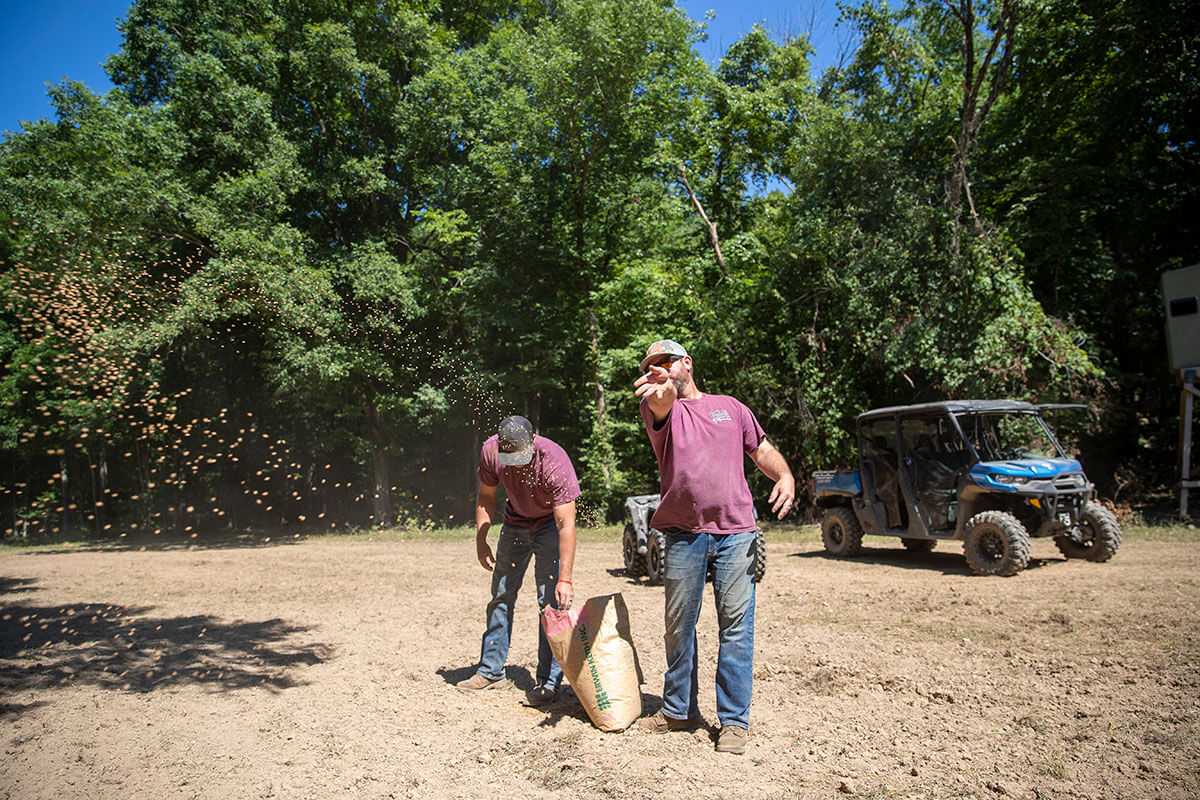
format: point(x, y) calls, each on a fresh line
point(566, 552)
point(564, 517)
point(660, 409)
point(485, 509)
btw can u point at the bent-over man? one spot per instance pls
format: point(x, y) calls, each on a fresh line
point(539, 522)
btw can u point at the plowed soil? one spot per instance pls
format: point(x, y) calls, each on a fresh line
point(326, 668)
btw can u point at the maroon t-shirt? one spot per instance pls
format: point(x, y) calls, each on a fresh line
point(701, 448)
point(548, 480)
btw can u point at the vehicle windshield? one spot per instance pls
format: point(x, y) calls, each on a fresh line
point(1003, 436)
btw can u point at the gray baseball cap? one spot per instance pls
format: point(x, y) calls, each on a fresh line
point(515, 441)
point(663, 347)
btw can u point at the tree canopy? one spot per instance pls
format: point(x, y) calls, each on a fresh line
point(297, 265)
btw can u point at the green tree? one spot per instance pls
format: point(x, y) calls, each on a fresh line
point(307, 189)
point(305, 256)
point(90, 199)
point(1094, 170)
point(566, 136)
point(869, 294)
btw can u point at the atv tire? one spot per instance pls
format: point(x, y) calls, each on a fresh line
point(918, 545)
point(1097, 535)
point(760, 556)
point(635, 562)
point(840, 532)
point(656, 556)
point(995, 543)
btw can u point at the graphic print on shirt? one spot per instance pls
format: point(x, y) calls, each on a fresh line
point(720, 415)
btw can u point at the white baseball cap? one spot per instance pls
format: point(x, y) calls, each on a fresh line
point(663, 347)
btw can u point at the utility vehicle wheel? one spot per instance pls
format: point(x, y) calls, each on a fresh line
point(635, 562)
point(1096, 537)
point(760, 556)
point(918, 545)
point(656, 555)
point(840, 532)
point(995, 543)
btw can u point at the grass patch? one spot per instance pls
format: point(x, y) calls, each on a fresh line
point(792, 533)
point(603, 534)
point(164, 541)
point(396, 534)
point(788, 533)
point(221, 539)
point(1135, 530)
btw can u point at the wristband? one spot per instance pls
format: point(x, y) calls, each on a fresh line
point(564, 580)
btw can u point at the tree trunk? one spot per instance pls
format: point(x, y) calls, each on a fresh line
point(713, 239)
point(473, 475)
point(990, 72)
point(65, 495)
point(99, 475)
point(102, 505)
point(600, 441)
point(381, 491)
point(177, 509)
point(600, 425)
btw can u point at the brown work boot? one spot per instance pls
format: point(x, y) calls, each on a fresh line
point(661, 723)
point(478, 682)
point(732, 740)
point(540, 696)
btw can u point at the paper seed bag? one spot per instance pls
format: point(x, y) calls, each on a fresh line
point(594, 647)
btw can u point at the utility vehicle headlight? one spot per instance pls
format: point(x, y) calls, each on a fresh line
point(1018, 479)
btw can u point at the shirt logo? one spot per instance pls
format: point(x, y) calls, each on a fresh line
point(720, 415)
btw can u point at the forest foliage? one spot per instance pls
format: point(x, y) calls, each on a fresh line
point(302, 259)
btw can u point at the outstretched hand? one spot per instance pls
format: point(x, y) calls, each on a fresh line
point(655, 384)
point(657, 389)
point(783, 494)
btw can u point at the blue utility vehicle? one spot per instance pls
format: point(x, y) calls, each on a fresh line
point(989, 473)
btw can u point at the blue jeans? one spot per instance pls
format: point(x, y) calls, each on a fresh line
point(513, 552)
point(688, 556)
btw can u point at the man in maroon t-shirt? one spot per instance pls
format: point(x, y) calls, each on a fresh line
point(539, 522)
point(707, 514)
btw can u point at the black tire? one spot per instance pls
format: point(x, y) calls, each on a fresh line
point(995, 543)
point(635, 562)
point(1099, 535)
point(760, 556)
point(656, 555)
point(840, 532)
point(918, 545)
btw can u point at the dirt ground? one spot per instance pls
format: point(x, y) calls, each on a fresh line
point(324, 669)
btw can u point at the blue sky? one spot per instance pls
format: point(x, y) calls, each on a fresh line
point(43, 41)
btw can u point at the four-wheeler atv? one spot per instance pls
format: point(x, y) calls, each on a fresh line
point(645, 548)
point(987, 472)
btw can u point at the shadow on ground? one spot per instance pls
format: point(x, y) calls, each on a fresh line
point(621, 572)
point(126, 648)
point(568, 706)
point(565, 706)
point(17, 585)
point(947, 562)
